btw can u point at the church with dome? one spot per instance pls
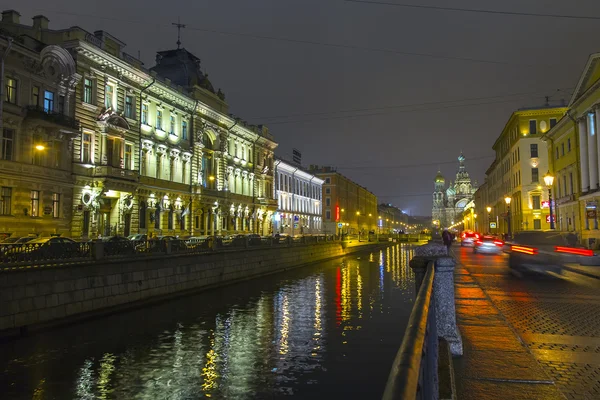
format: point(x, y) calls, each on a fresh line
point(449, 202)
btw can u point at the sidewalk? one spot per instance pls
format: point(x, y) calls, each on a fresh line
point(496, 364)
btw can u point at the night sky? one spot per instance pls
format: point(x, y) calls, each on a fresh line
point(384, 117)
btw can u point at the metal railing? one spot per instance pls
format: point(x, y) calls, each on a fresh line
point(39, 254)
point(51, 116)
point(414, 373)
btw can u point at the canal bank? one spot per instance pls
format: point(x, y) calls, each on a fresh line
point(40, 298)
point(326, 330)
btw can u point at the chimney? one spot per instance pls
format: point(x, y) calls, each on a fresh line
point(10, 16)
point(40, 22)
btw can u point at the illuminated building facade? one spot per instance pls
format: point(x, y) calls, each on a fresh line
point(449, 203)
point(156, 151)
point(37, 133)
point(391, 219)
point(347, 206)
point(299, 198)
point(518, 171)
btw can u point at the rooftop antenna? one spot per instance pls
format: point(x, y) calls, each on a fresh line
point(179, 26)
point(547, 101)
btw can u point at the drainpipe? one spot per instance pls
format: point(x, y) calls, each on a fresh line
point(4, 55)
point(140, 117)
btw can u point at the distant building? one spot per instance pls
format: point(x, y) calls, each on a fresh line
point(299, 200)
point(449, 202)
point(391, 219)
point(348, 207)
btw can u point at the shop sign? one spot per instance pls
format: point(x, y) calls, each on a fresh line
point(548, 218)
point(492, 225)
point(340, 224)
point(590, 214)
point(545, 204)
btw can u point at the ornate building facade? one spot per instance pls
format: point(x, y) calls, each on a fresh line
point(154, 151)
point(299, 197)
point(449, 202)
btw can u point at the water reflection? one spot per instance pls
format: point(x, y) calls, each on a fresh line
point(334, 325)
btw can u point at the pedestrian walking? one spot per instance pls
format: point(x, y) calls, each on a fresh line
point(447, 239)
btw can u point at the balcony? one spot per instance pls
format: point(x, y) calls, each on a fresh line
point(106, 171)
point(39, 113)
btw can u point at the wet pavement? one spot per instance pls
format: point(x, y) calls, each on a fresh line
point(330, 330)
point(525, 338)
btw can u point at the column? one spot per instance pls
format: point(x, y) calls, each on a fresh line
point(596, 130)
point(205, 219)
point(592, 153)
point(583, 155)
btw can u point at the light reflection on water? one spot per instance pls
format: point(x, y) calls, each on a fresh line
point(336, 326)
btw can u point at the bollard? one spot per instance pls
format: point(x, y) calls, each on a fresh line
point(443, 290)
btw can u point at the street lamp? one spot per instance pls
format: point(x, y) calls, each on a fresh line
point(507, 199)
point(489, 210)
point(549, 180)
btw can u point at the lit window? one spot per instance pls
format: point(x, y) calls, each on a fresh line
point(88, 87)
point(145, 114)
point(48, 101)
point(128, 156)
point(55, 205)
point(5, 200)
point(7, 144)
point(11, 91)
point(536, 202)
point(35, 203)
point(109, 93)
point(534, 150)
point(86, 148)
point(535, 175)
point(35, 96)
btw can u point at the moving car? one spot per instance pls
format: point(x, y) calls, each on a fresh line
point(488, 245)
point(468, 238)
point(546, 251)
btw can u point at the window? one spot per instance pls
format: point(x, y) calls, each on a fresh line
point(327, 190)
point(327, 201)
point(592, 123)
point(5, 200)
point(536, 202)
point(128, 156)
point(172, 125)
point(55, 205)
point(557, 152)
point(88, 90)
point(35, 203)
point(552, 122)
point(159, 119)
point(129, 113)
point(532, 127)
point(182, 223)
point(328, 180)
point(562, 149)
point(565, 185)
point(145, 114)
point(11, 91)
point(157, 218)
point(571, 182)
point(569, 144)
point(7, 144)
point(328, 215)
point(61, 104)
point(537, 224)
point(109, 92)
point(35, 96)
point(535, 175)
point(48, 101)
point(534, 150)
point(86, 148)
point(184, 130)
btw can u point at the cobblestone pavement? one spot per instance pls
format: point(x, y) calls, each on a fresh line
point(557, 318)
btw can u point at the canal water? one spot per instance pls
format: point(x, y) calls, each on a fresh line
point(330, 330)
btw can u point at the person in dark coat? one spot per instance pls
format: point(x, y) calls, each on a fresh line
point(447, 239)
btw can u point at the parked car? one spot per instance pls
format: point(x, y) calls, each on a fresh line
point(488, 245)
point(468, 238)
point(254, 239)
point(52, 248)
point(176, 243)
point(118, 245)
point(201, 242)
point(546, 251)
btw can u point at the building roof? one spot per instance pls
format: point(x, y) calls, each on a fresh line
point(182, 68)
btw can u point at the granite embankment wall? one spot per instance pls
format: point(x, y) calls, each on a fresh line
point(32, 299)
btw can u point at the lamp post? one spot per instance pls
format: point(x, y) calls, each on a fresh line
point(508, 199)
point(549, 180)
point(358, 224)
point(489, 210)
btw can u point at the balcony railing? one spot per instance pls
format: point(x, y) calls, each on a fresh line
point(115, 172)
point(53, 117)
